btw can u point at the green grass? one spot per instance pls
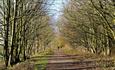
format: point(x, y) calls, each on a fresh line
point(41, 62)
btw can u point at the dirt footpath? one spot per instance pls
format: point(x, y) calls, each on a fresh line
point(60, 61)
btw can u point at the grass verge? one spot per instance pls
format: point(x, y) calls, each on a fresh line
point(41, 59)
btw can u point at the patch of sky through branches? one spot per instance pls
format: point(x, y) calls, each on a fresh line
point(56, 8)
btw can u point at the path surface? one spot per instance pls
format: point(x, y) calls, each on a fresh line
point(60, 61)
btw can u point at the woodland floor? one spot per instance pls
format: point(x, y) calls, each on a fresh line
point(61, 61)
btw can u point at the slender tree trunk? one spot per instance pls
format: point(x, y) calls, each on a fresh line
point(14, 35)
point(6, 47)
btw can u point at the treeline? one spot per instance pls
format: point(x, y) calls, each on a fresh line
point(90, 23)
point(24, 29)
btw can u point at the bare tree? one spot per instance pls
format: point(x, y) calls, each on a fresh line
point(89, 23)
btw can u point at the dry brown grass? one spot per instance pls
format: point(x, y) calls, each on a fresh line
point(81, 51)
point(23, 66)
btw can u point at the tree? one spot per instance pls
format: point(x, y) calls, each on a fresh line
point(89, 23)
point(22, 28)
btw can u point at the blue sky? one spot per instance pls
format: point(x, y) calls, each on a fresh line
point(55, 10)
